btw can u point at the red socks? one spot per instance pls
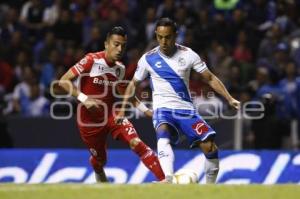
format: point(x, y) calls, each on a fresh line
point(98, 168)
point(147, 156)
point(150, 160)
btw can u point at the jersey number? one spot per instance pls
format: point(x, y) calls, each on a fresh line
point(130, 130)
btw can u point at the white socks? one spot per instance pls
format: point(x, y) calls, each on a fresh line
point(165, 156)
point(211, 170)
point(166, 160)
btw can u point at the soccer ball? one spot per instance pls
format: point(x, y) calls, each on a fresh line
point(185, 176)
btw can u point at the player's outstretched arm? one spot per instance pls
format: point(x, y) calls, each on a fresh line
point(66, 83)
point(137, 103)
point(219, 87)
point(129, 93)
point(142, 107)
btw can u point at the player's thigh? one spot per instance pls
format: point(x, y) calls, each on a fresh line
point(95, 140)
point(161, 117)
point(167, 130)
point(195, 128)
point(164, 125)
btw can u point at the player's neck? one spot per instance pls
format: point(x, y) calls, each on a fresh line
point(108, 59)
point(169, 53)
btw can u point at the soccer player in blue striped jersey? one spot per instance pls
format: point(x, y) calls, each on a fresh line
point(169, 66)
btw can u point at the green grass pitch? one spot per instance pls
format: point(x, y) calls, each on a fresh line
point(147, 191)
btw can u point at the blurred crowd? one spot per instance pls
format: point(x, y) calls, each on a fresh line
point(252, 46)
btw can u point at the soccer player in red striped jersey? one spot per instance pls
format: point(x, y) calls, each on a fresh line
point(98, 74)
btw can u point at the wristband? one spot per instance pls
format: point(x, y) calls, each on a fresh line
point(142, 107)
point(82, 97)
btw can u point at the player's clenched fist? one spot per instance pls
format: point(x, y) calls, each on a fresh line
point(92, 104)
point(234, 103)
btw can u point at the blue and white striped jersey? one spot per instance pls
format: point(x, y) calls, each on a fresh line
point(169, 76)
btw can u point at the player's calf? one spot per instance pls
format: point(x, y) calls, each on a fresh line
point(211, 166)
point(165, 152)
point(166, 157)
point(147, 156)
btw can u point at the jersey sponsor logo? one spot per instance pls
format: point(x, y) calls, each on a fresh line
point(103, 82)
point(200, 127)
point(158, 64)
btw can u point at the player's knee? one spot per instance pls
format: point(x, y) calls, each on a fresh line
point(210, 150)
point(208, 146)
point(134, 142)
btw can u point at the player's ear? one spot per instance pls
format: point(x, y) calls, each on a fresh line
point(155, 34)
point(105, 44)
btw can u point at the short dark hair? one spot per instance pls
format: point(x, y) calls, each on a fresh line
point(117, 30)
point(167, 22)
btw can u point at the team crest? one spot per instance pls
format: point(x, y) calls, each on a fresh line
point(181, 61)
